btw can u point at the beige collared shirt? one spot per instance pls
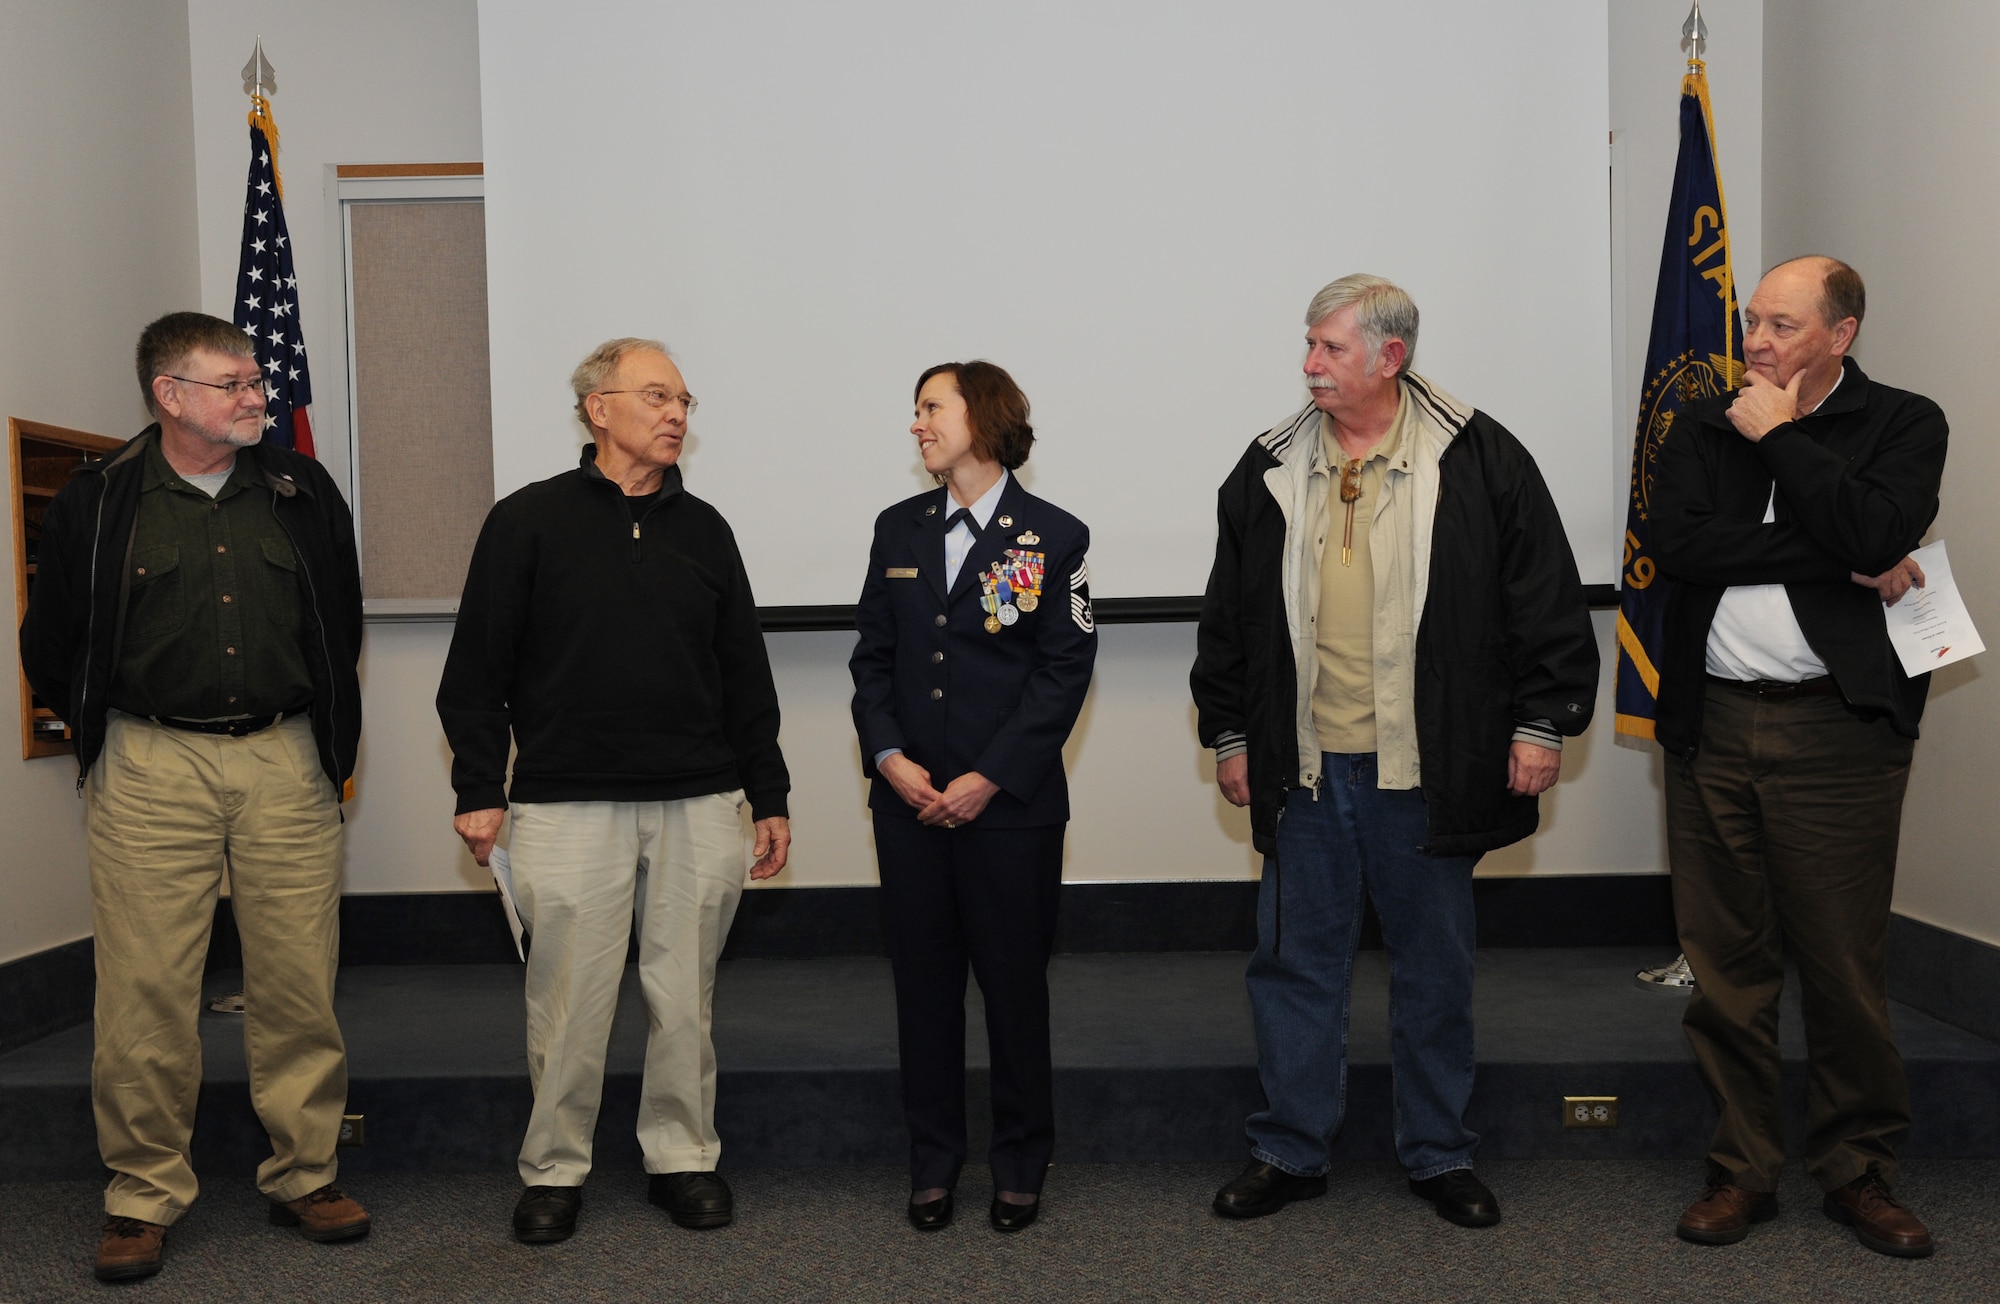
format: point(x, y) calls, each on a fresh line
point(1343, 698)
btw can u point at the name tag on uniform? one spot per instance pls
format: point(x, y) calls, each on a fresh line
point(900, 573)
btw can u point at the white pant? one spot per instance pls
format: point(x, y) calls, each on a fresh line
point(584, 873)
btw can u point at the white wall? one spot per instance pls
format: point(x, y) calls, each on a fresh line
point(97, 230)
point(1879, 130)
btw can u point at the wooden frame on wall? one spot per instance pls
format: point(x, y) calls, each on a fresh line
point(43, 458)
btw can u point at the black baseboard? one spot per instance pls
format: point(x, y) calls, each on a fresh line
point(1947, 975)
point(807, 922)
point(46, 992)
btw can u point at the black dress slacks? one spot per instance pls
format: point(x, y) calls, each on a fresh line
point(985, 898)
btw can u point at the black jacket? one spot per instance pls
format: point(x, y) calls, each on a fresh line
point(1505, 636)
point(1857, 486)
point(74, 631)
point(621, 649)
point(929, 678)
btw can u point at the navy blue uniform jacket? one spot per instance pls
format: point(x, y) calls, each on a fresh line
point(929, 679)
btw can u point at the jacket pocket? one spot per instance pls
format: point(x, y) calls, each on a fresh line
point(159, 599)
point(279, 574)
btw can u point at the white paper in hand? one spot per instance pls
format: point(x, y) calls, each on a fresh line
point(503, 878)
point(1929, 627)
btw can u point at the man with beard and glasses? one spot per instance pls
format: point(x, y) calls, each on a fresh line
point(196, 621)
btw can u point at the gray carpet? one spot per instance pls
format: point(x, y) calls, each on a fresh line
point(1574, 1230)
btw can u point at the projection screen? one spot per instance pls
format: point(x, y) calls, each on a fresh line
point(1128, 206)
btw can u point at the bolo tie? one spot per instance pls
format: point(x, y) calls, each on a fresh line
point(1350, 493)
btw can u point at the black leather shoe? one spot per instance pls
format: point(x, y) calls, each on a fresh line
point(547, 1214)
point(1459, 1197)
point(1007, 1217)
point(931, 1215)
point(1263, 1188)
point(697, 1200)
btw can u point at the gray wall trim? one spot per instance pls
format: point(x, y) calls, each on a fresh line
point(47, 992)
point(1946, 975)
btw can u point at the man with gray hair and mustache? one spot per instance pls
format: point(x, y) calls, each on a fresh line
point(609, 627)
point(1393, 644)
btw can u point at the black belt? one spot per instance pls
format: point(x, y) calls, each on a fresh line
point(1820, 687)
point(227, 728)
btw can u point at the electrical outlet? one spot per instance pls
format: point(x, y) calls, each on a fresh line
point(353, 1129)
point(1590, 1111)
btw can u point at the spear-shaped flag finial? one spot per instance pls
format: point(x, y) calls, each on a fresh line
point(1694, 34)
point(258, 78)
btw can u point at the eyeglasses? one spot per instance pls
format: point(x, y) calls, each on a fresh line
point(231, 389)
point(655, 397)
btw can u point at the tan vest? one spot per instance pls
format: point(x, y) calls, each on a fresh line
point(1343, 697)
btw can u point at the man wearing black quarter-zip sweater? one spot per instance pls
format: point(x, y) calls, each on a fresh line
point(609, 628)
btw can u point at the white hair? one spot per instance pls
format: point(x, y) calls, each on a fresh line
point(1385, 312)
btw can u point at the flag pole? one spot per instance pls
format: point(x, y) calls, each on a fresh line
point(1694, 37)
point(1677, 977)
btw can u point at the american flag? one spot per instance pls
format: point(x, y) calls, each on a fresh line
point(267, 294)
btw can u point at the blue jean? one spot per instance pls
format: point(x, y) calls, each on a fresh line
point(1349, 839)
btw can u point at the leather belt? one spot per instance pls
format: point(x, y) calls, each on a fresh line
point(1820, 687)
point(226, 728)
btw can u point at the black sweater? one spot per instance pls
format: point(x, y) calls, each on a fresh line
point(620, 645)
point(1857, 486)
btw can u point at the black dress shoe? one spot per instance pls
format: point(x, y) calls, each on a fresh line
point(931, 1215)
point(547, 1214)
point(1264, 1188)
point(696, 1200)
point(1009, 1217)
point(1459, 1197)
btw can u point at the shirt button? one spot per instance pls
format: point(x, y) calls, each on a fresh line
point(937, 656)
point(230, 650)
point(939, 622)
point(220, 548)
point(232, 699)
point(142, 570)
point(936, 694)
point(225, 597)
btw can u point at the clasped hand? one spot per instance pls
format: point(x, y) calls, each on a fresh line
point(962, 800)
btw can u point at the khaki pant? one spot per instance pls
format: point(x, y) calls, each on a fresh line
point(584, 874)
point(1784, 826)
point(166, 809)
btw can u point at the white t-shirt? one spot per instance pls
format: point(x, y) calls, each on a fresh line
point(1755, 634)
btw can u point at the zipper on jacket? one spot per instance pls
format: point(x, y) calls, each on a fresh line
point(635, 543)
point(90, 624)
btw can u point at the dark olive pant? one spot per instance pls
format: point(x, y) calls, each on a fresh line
point(1784, 826)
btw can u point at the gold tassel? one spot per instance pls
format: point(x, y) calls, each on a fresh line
point(260, 117)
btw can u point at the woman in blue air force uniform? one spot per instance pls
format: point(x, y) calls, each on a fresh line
point(976, 644)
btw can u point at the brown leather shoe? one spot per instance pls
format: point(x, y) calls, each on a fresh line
point(1724, 1213)
point(322, 1215)
point(1879, 1222)
point(130, 1249)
